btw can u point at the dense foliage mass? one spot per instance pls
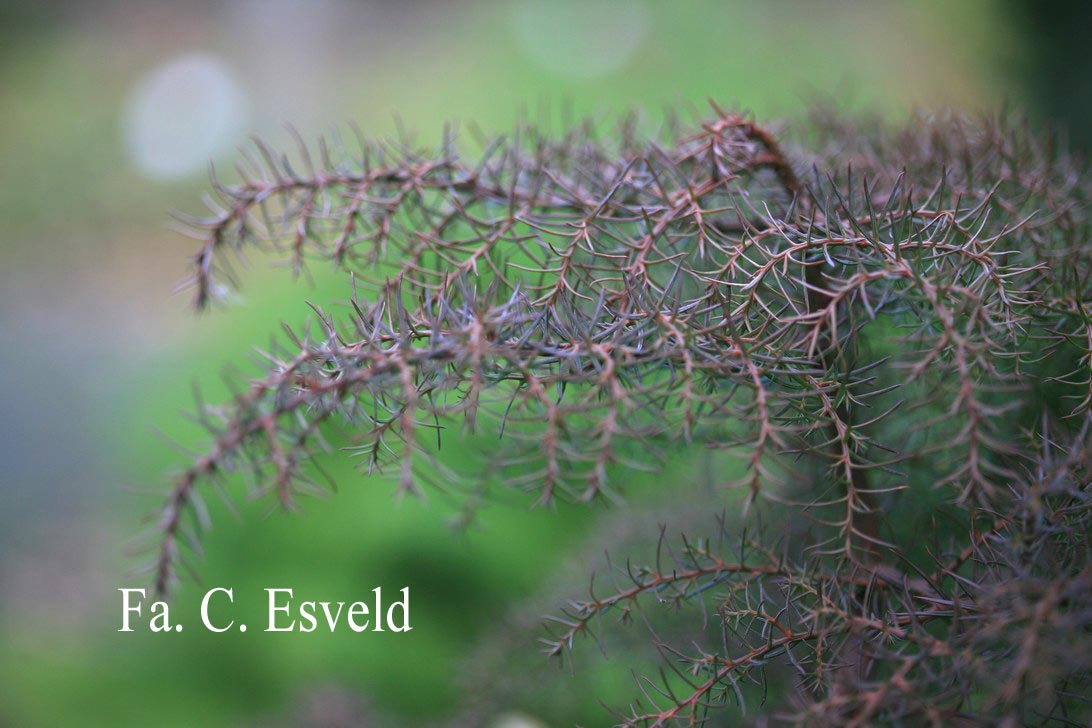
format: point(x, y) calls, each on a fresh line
point(891, 327)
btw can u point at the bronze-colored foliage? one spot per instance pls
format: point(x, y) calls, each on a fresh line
point(875, 319)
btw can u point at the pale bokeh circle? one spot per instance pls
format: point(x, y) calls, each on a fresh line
point(182, 114)
point(583, 39)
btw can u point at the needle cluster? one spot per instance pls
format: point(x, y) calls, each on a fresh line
point(878, 321)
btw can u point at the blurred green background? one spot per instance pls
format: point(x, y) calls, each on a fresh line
point(111, 111)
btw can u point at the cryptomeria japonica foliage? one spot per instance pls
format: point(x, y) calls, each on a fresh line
point(876, 320)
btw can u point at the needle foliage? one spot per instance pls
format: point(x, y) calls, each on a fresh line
point(882, 323)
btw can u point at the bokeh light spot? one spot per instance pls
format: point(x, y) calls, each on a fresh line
point(182, 114)
point(585, 40)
